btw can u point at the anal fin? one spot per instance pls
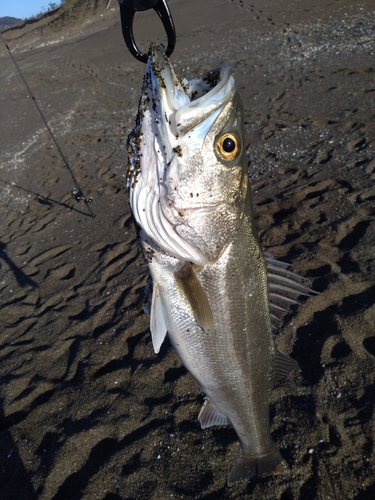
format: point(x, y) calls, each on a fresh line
point(210, 415)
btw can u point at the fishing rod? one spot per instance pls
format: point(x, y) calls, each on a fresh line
point(77, 192)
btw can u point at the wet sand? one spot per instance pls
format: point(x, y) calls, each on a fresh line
point(87, 410)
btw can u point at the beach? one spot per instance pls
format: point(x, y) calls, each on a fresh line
point(87, 409)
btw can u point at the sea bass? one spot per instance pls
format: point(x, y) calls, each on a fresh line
point(214, 291)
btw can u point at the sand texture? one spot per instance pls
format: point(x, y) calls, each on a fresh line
point(87, 410)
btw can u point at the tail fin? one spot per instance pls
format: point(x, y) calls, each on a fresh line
point(247, 466)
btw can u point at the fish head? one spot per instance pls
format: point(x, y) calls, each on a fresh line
point(187, 169)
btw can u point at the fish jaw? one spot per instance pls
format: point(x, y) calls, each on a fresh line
point(174, 174)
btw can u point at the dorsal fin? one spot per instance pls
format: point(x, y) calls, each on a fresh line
point(188, 282)
point(284, 288)
point(210, 415)
point(284, 364)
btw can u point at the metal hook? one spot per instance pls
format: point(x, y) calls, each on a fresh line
point(128, 8)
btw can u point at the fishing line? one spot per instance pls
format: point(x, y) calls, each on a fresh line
point(77, 192)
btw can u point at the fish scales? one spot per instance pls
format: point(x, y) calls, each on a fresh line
point(233, 366)
point(191, 198)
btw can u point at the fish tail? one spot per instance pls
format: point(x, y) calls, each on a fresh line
point(247, 466)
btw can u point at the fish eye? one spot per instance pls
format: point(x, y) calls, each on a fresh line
point(228, 146)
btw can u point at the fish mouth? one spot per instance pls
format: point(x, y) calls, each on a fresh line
point(193, 104)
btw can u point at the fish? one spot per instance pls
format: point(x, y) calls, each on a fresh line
point(215, 292)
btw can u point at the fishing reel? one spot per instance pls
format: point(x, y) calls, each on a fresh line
point(78, 196)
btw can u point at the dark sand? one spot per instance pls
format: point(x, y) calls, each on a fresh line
point(87, 410)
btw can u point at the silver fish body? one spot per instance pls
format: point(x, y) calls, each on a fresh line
point(191, 197)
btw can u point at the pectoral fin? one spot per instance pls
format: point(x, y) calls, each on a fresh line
point(189, 284)
point(158, 323)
